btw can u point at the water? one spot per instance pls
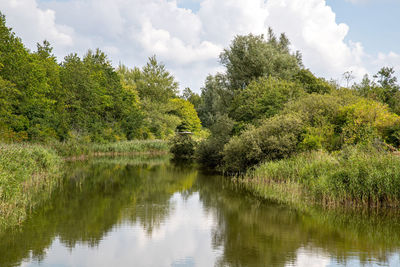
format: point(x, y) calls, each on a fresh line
point(149, 212)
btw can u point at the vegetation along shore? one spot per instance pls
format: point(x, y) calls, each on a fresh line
point(266, 120)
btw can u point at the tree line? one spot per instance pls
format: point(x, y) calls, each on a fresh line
point(267, 106)
point(85, 98)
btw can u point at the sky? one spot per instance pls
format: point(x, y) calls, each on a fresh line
point(334, 36)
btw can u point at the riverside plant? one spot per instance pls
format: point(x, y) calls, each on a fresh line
point(353, 178)
point(74, 148)
point(28, 176)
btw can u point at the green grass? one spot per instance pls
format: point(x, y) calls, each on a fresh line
point(68, 149)
point(352, 178)
point(28, 175)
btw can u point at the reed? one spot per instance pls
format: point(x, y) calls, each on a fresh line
point(353, 178)
point(68, 149)
point(28, 175)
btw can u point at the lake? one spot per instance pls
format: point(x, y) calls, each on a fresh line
point(148, 211)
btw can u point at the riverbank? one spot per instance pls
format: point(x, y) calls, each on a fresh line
point(28, 175)
point(353, 178)
point(76, 150)
point(30, 172)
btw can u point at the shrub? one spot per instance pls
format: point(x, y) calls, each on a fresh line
point(182, 147)
point(276, 138)
point(209, 152)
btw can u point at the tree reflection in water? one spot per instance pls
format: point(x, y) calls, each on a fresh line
point(103, 197)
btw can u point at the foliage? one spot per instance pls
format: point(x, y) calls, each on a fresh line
point(261, 58)
point(355, 177)
point(263, 98)
point(384, 88)
point(184, 110)
point(312, 84)
point(22, 189)
point(155, 83)
point(209, 151)
point(182, 147)
point(215, 99)
point(367, 120)
point(192, 97)
point(276, 138)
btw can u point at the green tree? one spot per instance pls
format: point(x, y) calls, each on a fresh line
point(251, 56)
point(263, 99)
point(215, 99)
point(192, 97)
point(156, 83)
point(188, 115)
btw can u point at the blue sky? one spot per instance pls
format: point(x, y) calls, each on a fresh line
point(334, 36)
point(375, 23)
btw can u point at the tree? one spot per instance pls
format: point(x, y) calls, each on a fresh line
point(263, 99)
point(188, 115)
point(156, 83)
point(312, 84)
point(251, 56)
point(192, 97)
point(215, 99)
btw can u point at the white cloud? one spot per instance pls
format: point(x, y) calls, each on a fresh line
point(34, 24)
point(190, 42)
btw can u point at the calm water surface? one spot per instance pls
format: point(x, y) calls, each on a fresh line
point(150, 212)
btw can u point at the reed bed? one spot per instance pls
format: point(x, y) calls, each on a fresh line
point(28, 175)
point(353, 177)
point(69, 149)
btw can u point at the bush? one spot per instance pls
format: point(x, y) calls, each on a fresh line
point(182, 147)
point(209, 152)
point(276, 138)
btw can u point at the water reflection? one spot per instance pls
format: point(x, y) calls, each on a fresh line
point(149, 212)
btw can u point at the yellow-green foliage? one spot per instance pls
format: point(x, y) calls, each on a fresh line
point(28, 174)
point(188, 115)
point(367, 119)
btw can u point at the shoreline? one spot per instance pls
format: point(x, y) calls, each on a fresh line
point(353, 180)
point(29, 173)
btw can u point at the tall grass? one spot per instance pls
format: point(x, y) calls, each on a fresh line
point(354, 177)
point(135, 146)
point(28, 175)
point(29, 172)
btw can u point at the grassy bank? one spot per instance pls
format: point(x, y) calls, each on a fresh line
point(70, 149)
point(28, 175)
point(351, 178)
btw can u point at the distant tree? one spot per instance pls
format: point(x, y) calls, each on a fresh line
point(215, 99)
point(156, 83)
point(251, 56)
point(312, 84)
point(348, 77)
point(188, 115)
point(192, 97)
